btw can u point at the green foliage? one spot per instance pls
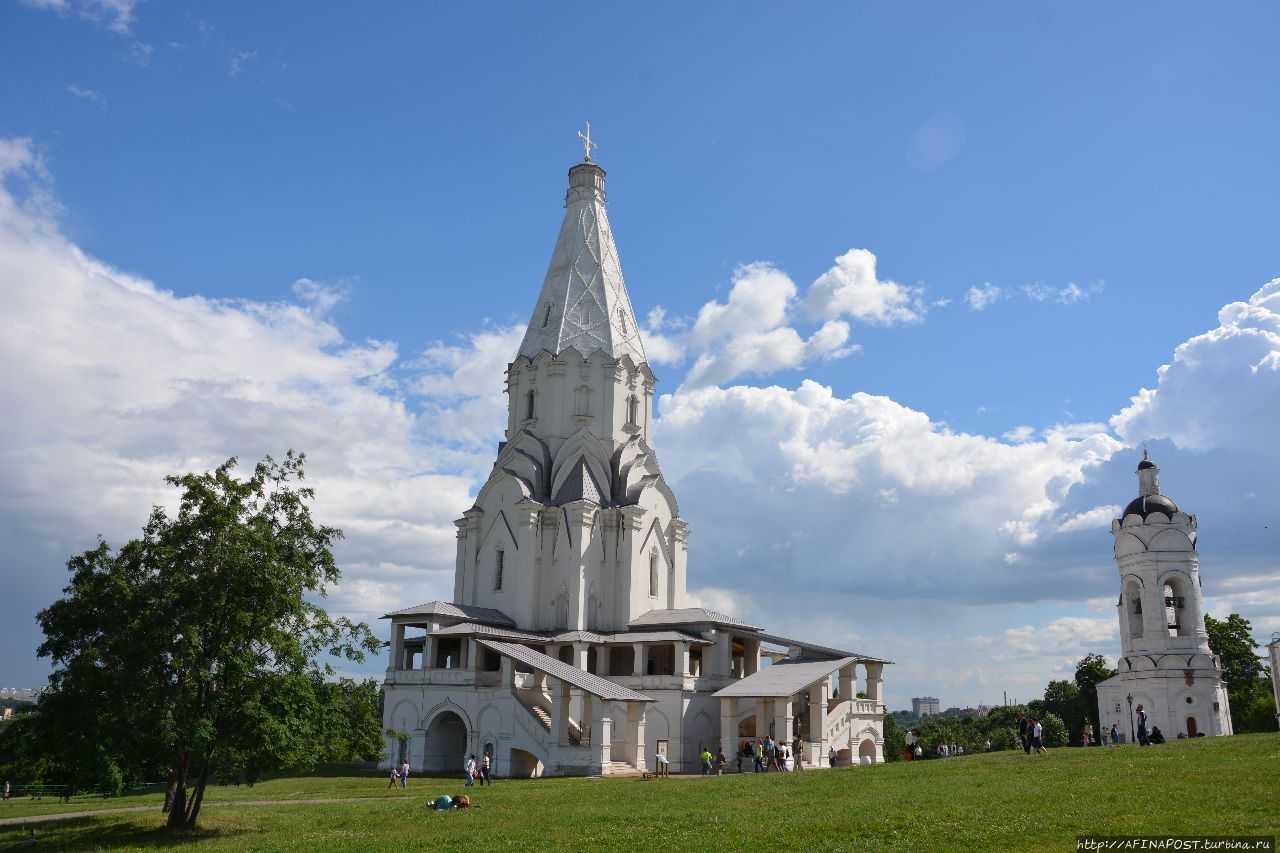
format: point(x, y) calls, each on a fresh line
point(1259, 715)
point(193, 650)
point(1231, 639)
point(1091, 670)
point(1054, 730)
point(1062, 700)
point(895, 740)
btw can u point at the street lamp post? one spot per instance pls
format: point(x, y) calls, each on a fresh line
point(1132, 737)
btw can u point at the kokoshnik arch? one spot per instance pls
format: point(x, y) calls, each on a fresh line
point(570, 646)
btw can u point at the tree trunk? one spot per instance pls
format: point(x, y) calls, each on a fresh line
point(197, 799)
point(178, 804)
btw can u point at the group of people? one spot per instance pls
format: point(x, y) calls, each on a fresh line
point(478, 771)
point(1031, 733)
point(768, 754)
point(949, 750)
point(399, 775)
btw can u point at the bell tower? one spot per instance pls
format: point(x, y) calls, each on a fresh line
point(1161, 602)
point(1166, 665)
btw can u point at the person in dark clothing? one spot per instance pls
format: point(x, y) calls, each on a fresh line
point(1143, 740)
point(1024, 734)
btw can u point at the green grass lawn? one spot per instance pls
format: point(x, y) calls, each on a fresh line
point(1005, 801)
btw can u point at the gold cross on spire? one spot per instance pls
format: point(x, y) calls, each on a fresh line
point(587, 144)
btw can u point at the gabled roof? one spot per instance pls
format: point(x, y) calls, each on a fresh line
point(823, 651)
point(595, 685)
point(687, 616)
point(486, 615)
point(466, 629)
point(783, 679)
point(584, 303)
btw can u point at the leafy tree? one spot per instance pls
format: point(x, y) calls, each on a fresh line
point(1054, 730)
point(192, 651)
point(1062, 698)
point(1231, 639)
point(1091, 670)
point(895, 740)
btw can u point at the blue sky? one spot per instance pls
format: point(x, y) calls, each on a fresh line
point(1099, 180)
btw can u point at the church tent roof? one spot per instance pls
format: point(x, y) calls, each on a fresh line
point(584, 303)
point(782, 679)
point(593, 684)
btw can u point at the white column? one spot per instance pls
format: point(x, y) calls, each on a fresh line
point(818, 723)
point(397, 647)
point(473, 654)
point(508, 673)
point(728, 731)
point(762, 720)
point(782, 718)
point(635, 734)
point(723, 653)
point(875, 682)
point(638, 666)
point(605, 729)
point(580, 655)
point(847, 690)
point(429, 652)
point(560, 713)
point(751, 660)
point(586, 722)
point(682, 659)
point(603, 655)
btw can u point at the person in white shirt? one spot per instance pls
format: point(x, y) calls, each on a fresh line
point(404, 773)
point(471, 770)
point(1037, 737)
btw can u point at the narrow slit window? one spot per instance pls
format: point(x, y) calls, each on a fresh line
point(546, 318)
point(528, 406)
point(653, 575)
point(499, 565)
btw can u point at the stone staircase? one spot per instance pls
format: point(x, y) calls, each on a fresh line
point(544, 719)
point(620, 768)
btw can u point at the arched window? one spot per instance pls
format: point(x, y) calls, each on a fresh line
point(633, 410)
point(1175, 609)
point(1133, 603)
point(582, 400)
point(499, 565)
point(528, 405)
point(653, 574)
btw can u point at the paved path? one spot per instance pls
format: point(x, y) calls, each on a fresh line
point(48, 818)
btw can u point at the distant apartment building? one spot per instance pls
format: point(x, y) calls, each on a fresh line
point(925, 706)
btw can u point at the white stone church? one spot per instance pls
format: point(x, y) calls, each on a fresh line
point(571, 645)
point(1166, 665)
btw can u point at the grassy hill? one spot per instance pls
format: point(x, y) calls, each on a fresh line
point(1004, 801)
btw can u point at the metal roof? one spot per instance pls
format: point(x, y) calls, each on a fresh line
point(687, 616)
point(783, 679)
point(824, 650)
point(593, 684)
point(466, 629)
point(486, 615)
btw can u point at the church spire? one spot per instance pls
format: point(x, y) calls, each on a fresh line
point(584, 303)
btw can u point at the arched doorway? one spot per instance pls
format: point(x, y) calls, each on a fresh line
point(1191, 727)
point(867, 752)
point(524, 765)
point(446, 744)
